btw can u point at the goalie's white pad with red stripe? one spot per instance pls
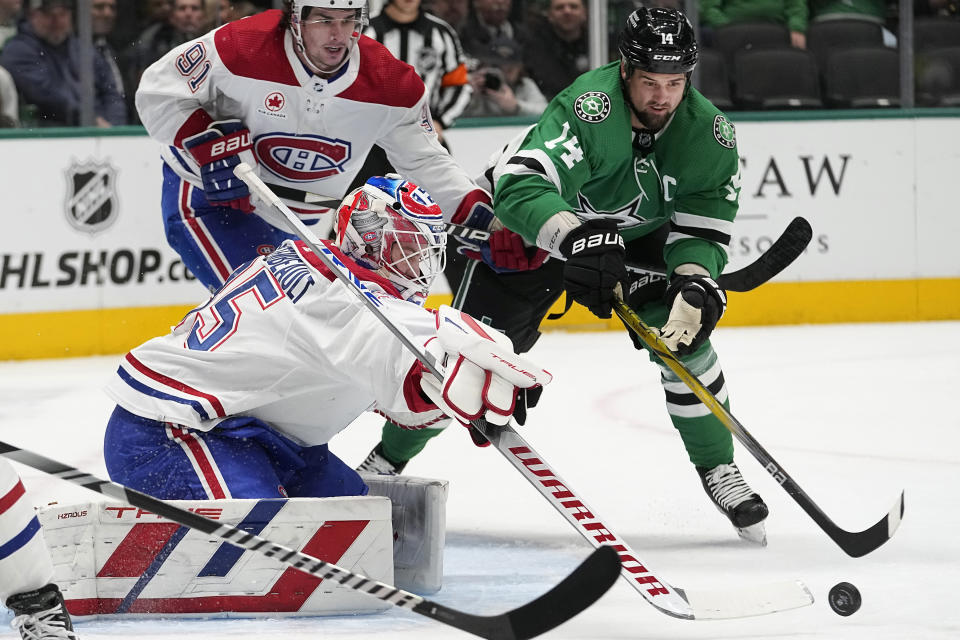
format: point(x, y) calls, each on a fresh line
point(481, 372)
point(111, 558)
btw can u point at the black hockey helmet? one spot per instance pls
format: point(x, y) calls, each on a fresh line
point(658, 40)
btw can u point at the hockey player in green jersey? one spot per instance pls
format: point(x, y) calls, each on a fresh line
point(628, 164)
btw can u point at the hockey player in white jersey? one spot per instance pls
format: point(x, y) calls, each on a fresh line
point(242, 397)
point(299, 94)
point(25, 567)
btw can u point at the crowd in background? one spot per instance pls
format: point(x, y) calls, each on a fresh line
point(509, 56)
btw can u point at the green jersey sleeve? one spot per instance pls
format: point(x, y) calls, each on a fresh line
point(543, 175)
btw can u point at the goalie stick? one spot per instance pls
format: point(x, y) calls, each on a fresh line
point(689, 604)
point(784, 250)
point(705, 605)
point(576, 592)
point(854, 543)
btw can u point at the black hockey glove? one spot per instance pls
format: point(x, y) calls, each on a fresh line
point(594, 252)
point(696, 304)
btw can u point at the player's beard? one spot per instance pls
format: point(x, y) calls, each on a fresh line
point(654, 121)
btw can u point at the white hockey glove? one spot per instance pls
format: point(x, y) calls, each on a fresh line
point(696, 304)
point(481, 373)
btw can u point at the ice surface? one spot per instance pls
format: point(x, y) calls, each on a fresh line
point(855, 413)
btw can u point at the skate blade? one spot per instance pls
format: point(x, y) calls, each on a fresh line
point(755, 533)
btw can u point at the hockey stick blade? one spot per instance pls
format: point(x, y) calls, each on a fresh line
point(688, 604)
point(780, 255)
point(855, 544)
point(576, 592)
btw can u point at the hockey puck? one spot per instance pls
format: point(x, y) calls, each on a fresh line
point(844, 599)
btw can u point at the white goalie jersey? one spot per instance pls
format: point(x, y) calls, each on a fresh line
point(310, 135)
point(288, 343)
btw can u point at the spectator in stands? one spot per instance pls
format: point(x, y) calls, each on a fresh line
point(489, 20)
point(43, 59)
point(432, 47)
point(500, 84)
point(234, 10)
point(874, 11)
point(186, 20)
point(103, 18)
point(791, 13)
point(556, 51)
point(9, 102)
point(453, 12)
point(9, 12)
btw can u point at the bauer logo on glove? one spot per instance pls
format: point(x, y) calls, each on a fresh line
point(481, 373)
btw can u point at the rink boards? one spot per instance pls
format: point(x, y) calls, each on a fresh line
point(85, 269)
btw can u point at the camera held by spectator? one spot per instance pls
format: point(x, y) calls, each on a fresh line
point(500, 84)
point(493, 79)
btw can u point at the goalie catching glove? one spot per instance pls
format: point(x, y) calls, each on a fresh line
point(218, 150)
point(696, 304)
point(481, 373)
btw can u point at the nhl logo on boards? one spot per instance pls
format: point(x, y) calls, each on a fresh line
point(91, 200)
point(724, 132)
point(592, 106)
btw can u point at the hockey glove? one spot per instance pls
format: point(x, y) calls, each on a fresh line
point(481, 373)
point(218, 149)
point(696, 304)
point(594, 252)
point(503, 250)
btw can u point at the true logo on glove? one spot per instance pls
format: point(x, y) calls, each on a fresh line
point(596, 240)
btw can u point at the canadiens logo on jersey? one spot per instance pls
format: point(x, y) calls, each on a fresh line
point(91, 199)
point(302, 158)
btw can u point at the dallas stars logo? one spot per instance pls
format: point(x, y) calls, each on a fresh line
point(592, 106)
point(724, 132)
point(626, 216)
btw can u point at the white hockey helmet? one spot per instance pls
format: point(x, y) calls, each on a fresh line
point(298, 8)
point(394, 227)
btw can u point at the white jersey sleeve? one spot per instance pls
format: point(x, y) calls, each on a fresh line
point(286, 342)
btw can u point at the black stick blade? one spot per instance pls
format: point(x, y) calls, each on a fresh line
point(859, 544)
point(576, 592)
point(781, 254)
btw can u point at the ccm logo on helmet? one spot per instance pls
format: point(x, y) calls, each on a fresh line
point(662, 56)
point(596, 240)
point(302, 158)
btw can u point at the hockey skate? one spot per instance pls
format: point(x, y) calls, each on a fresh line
point(41, 615)
point(736, 500)
point(377, 462)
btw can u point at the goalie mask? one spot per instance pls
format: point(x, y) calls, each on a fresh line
point(299, 9)
point(393, 227)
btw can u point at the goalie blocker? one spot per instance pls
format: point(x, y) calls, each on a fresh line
point(112, 559)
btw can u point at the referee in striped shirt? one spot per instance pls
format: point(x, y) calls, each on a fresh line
point(432, 47)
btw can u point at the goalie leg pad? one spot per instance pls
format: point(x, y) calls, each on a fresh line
point(419, 524)
point(112, 559)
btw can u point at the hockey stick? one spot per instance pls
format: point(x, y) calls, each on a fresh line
point(855, 544)
point(784, 250)
point(712, 606)
point(689, 604)
point(573, 594)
